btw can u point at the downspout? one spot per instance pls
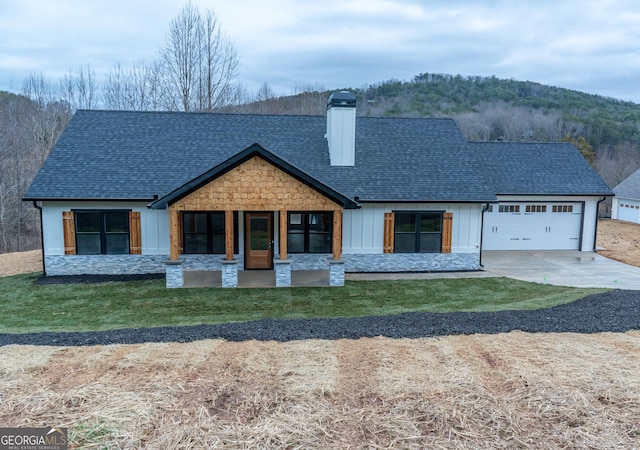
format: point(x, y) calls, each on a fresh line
point(485, 208)
point(44, 267)
point(595, 233)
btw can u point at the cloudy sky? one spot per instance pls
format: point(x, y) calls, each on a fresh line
point(586, 45)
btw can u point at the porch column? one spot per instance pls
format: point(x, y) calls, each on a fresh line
point(174, 234)
point(283, 235)
point(337, 235)
point(228, 241)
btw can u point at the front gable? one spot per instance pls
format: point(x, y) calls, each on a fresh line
point(254, 179)
point(255, 185)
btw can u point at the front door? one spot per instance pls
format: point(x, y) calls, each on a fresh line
point(258, 240)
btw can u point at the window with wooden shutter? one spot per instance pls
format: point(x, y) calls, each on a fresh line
point(387, 246)
point(447, 231)
point(99, 232)
point(69, 231)
point(135, 235)
point(417, 232)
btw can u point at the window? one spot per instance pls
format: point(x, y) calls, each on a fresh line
point(309, 232)
point(536, 208)
point(204, 232)
point(509, 208)
point(562, 208)
point(102, 232)
point(418, 232)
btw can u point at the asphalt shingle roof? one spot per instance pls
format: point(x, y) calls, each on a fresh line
point(629, 187)
point(538, 169)
point(119, 155)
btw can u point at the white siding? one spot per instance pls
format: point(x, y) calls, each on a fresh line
point(363, 229)
point(154, 225)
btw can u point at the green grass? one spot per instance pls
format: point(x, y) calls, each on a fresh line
point(25, 307)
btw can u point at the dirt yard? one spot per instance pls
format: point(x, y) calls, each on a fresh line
point(23, 262)
point(515, 390)
point(620, 241)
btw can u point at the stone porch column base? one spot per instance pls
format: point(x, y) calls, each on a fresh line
point(174, 273)
point(336, 272)
point(229, 274)
point(283, 272)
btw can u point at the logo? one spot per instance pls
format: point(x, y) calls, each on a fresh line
point(48, 438)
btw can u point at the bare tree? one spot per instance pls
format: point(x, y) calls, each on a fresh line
point(137, 89)
point(199, 62)
point(614, 164)
point(30, 124)
point(79, 89)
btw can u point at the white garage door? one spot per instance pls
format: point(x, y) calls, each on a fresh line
point(628, 210)
point(532, 226)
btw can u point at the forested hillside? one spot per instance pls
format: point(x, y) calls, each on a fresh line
point(605, 130)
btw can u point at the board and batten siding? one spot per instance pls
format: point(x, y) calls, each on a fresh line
point(363, 229)
point(154, 225)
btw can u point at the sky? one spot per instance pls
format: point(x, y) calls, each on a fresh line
point(586, 45)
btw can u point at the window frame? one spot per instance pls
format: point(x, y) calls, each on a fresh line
point(509, 209)
point(102, 233)
point(307, 232)
point(209, 234)
point(417, 231)
point(535, 208)
point(561, 208)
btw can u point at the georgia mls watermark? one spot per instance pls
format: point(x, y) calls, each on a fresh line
point(48, 438)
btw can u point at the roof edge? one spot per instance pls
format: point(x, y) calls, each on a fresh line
point(538, 194)
point(425, 201)
point(85, 199)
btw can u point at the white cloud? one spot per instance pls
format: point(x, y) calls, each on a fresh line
point(589, 45)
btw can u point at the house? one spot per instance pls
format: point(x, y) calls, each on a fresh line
point(626, 203)
point(152, 192)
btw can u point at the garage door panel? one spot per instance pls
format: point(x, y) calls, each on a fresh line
point(628, 210)
point(551, 226)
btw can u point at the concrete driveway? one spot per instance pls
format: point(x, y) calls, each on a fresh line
point(562, 268)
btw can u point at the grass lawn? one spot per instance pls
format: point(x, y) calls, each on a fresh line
point(89, 307)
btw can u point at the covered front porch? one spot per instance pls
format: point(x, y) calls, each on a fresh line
point(256, 214)
point(253, 248)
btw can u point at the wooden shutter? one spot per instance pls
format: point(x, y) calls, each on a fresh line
point(387, 246)
point(69, 230)
point(447, 227)
point(135, 236)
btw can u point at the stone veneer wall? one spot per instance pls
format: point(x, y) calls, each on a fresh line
point(104, 264)
point(141, 264)
point(392, 262)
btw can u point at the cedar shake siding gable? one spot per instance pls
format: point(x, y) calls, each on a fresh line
point(255, 185)
point(254, 179)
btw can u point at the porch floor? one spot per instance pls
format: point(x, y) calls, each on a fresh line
point(256, 278)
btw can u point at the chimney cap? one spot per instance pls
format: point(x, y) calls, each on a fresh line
point(343, 99)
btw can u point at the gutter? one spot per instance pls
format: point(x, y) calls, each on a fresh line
point(39, 208)
point(595, 232)
point(485, 208)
